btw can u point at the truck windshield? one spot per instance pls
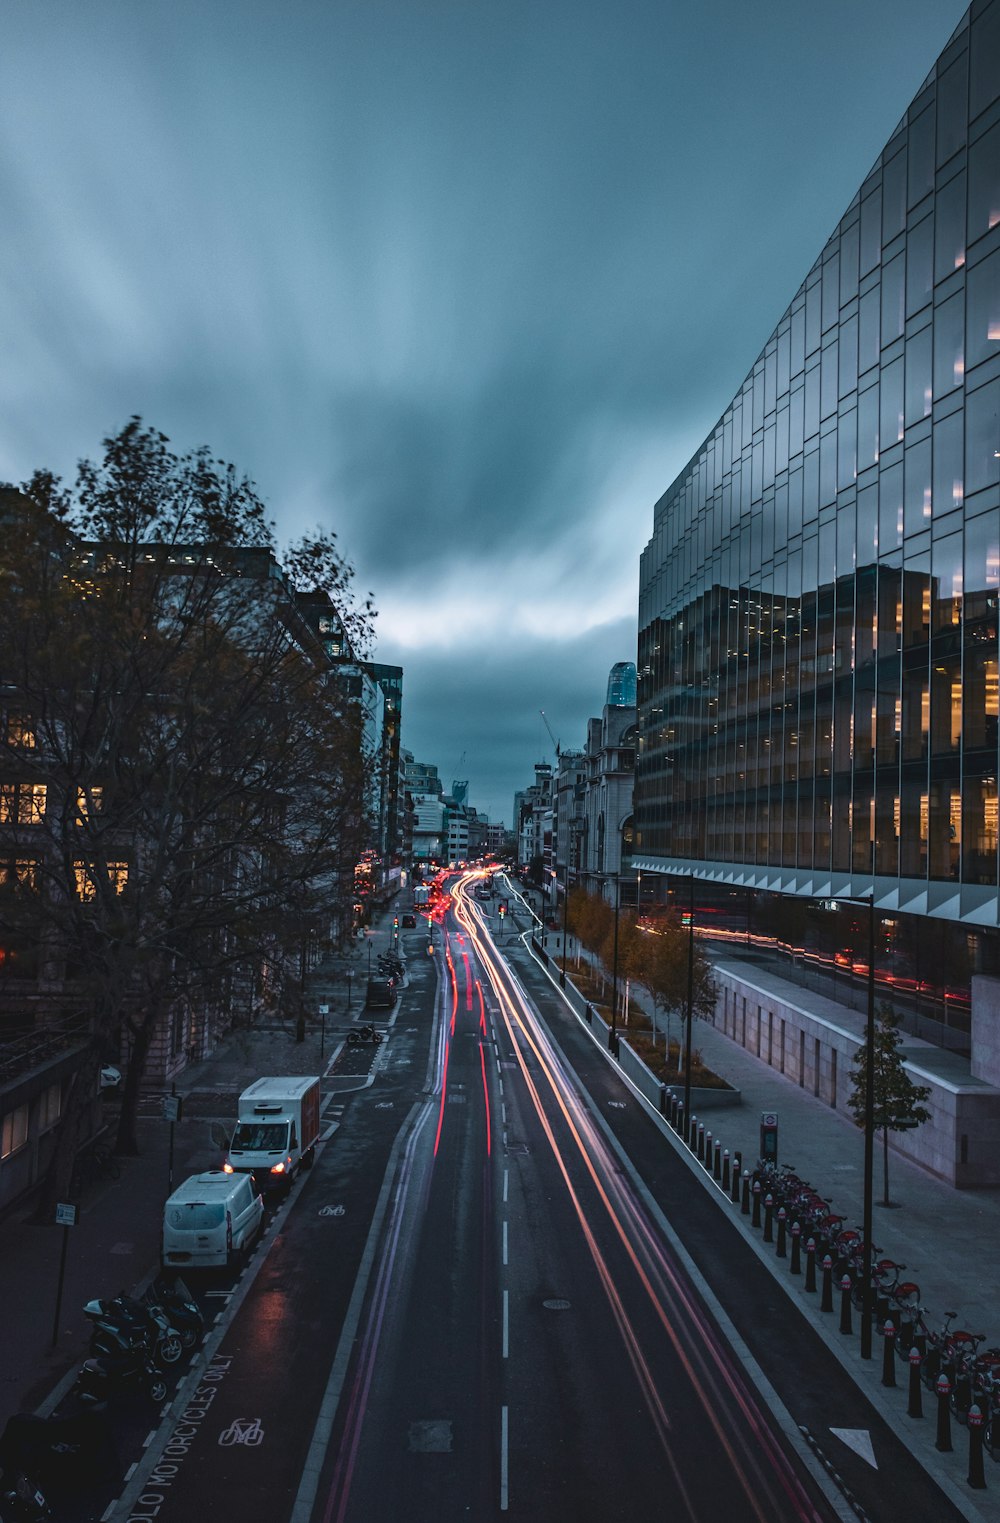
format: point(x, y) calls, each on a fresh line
point(260, 1137)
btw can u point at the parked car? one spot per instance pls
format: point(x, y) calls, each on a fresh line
point(381, 994)
point(408, 922)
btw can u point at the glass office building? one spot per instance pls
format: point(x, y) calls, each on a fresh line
point(818, 662)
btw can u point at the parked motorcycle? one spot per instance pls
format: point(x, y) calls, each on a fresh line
point(121, 1323)
point(70, 1448)
point(181, 1308)
point(21, 1499)
point(98, 1379)
point(364, 1034)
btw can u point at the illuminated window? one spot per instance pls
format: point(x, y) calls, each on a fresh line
point(15, 1131)
point(956, 711)
point(49, 1107)
point(89, 801)
point(924, 816)
point(86, 884)
point(18, 872)
point(925, 711)
point(20, 732)
point(988, 840)
point(22, 803)
point(991, 684)
point(896, 815)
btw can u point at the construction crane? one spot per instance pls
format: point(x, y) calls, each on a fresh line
point(551, 736)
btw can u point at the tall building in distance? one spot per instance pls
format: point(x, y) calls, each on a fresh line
point(819, 673)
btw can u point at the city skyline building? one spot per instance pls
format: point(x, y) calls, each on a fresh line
point(818, 679)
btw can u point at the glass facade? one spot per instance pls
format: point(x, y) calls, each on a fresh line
point(818, 662)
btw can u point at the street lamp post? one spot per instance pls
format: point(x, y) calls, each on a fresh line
point(690, 1007)
point(867, 1290)
point(613, 1034)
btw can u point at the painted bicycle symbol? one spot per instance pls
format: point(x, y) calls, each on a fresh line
point(242, 1430)
point(332, 1210)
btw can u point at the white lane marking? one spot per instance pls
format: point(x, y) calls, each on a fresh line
point(505, 1186)
point(503, 1459)
point(860, 1440)
point(503, 1112)
point(505, 1242)
point(506, 1325)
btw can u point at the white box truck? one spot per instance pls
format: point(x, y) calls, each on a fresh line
point(276, 1130)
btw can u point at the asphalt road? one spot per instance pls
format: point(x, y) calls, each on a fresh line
point(494, 1298)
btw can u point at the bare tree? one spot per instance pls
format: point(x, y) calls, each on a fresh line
point(192, 766)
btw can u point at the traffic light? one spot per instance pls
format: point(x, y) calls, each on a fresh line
point(501, 909)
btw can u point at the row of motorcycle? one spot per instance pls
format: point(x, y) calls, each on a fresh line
point(134, 1342)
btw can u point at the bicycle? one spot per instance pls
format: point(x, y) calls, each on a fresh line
point(92, 1164)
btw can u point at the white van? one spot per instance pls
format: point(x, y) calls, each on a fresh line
point(211, 1219)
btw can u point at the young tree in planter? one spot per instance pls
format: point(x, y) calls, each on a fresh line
point(898, 1101)
point(661, 969)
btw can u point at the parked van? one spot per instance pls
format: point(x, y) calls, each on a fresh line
point(211, 1219)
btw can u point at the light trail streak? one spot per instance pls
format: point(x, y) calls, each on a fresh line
point(709, 1369)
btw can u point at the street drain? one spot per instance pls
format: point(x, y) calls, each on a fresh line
point(556, 1303)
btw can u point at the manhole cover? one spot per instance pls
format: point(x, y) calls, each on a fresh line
point(556, 1303)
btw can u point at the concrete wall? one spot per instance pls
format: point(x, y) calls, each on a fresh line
point(812, 1041)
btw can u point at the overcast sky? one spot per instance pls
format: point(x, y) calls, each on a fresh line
point(467, 281)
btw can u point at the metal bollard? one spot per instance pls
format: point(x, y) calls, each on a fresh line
point(915, 1404)
point(726, 1180)
point(889, 1355)
point(736, 1191)
point(942, 1388)
point(755, 1219)
point(769, 1218)
point(976, 1476)
point(693, 1144)
point(700, 1141)
point(738, 1161)
point(680, 1122)
point(796, 1264)
point(811, 1264)
point(708, 1151)
point(664, 1102)
point(744, 1192)
point(826, 1302)
point(717, 1160)
point(845, 1304)
point(781, 1251)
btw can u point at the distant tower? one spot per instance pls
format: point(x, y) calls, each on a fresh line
point(621, 685)
point(460, 790)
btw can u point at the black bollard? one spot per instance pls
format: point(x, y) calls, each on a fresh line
point(725, 1171)
point(769, 1218)
point(738, 1162)
point(679, 1123)
point(755, 1219)
point(693, 1144)
point(664, 1102)
point(845, 1304)
point(708, 1151)
point(811, 1264)
point(976, 1476)
point(700, 1139)
point(744, 1191)
point(826, 1302)
point(796, 1264)
point(942, 1389)
point(737, 1188)
point(915, 1404)
point(889, 1355)
point(781, 1251)
point(717, 1160)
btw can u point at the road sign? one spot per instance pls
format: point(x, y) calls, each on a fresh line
point(65, 1214)
point(324, 1009)
point(172, 1107)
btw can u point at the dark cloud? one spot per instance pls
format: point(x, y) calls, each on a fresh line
point(467, 283)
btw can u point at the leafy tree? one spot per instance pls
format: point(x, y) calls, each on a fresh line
point(202, 774)
point(898, 1101)
point(662, 970)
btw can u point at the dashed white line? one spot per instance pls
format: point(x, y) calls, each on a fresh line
point(503, 1112)
point(505, 1181)
point(505, 1344)
point(503, 1459)
point(505, 1242)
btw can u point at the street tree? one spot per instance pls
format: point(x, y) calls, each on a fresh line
point(898, 1102)
point(661, 968)
point(192, 769)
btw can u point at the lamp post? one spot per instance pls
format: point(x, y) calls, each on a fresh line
point(690, 1006)
point(867, 1289)
point(613, 1033)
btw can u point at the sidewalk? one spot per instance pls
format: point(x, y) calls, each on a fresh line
point(115, 1244)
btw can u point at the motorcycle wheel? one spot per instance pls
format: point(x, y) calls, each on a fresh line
point(190, 1337)
point(157, 1389)
point(169, 1350)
